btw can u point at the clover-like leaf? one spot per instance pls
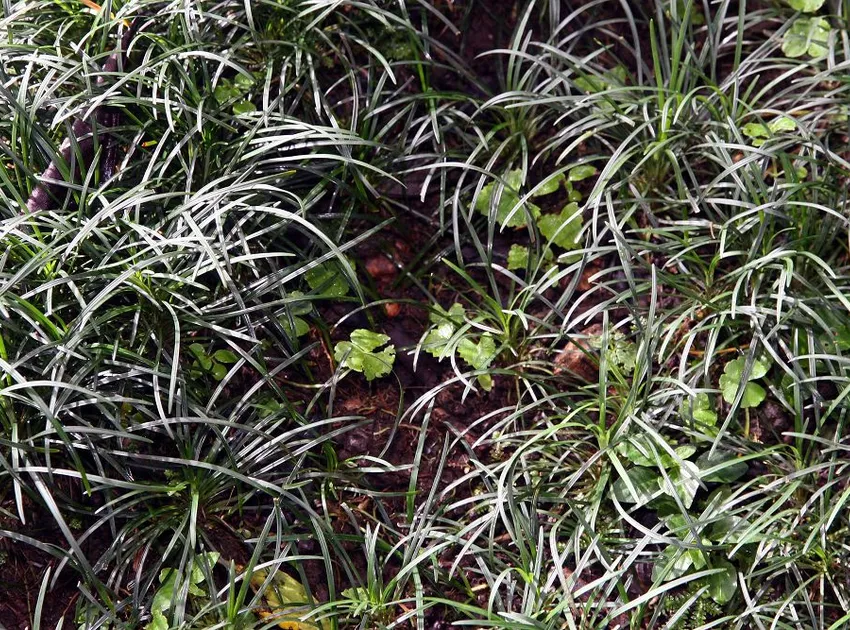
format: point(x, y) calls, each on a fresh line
point(286, 599)
point(806, 36)
point(562, 229)
point(806, 6)
point(730, 380)
point(360, 354)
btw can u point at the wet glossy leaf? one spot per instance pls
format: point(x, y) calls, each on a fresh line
point(722, 586)
point(582, 171)
point(225, 356)
point(328, 280)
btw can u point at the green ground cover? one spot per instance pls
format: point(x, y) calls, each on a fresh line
point(421, 313)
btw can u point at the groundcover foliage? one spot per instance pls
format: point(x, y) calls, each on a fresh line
point(377, 314)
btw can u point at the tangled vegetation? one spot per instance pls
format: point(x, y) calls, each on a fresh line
point(323, 314)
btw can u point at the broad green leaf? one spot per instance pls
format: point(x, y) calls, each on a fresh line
point(327, 280)
point(562, 229)
point(301, 327)
point(730, 380)
point(299, 305)
point(286, 599)
point(806, 6)
point(683, 480)
point(732, 470)
point(644, 482)
point(508, 200)
point(244, 107)
point(672, 563)
point(582, 171)
point(359, 354)
point(437, 339)
point(486, 382)
point(753, 395)
point(552, 184)
point(243, 83)
point(806, 36)
point(218, 371)
point(225, 356)
point(722, 586)
point(755, 130)
point(478, 355)
point(454, 315)
point(782, 123)
point(703, 411)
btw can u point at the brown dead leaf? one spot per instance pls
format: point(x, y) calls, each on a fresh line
point(576, 358)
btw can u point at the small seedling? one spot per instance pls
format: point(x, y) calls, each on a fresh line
point(479, 354)
point(730, 381)
point(360, 354)
point(212, 364)
point(167, 592)
point(229, 90)
point(286, 599)
point(644, 481)
point(560, 229)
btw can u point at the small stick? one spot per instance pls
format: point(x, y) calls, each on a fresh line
point(51, 181)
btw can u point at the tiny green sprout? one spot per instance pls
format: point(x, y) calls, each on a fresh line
point(445, 324)
point(360, 354)
point(807, 36)
point(730, 381)
point(213, 364)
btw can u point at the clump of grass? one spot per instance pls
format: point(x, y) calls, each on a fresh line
point(655, 195)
